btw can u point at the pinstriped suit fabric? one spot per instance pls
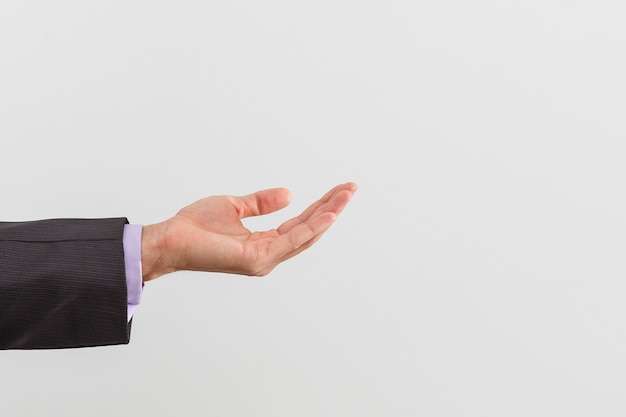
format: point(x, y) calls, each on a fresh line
point(62, 284)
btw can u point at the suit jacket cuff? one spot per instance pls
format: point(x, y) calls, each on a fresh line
point(63, 284)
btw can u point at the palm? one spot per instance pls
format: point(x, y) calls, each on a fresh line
point(210, 236)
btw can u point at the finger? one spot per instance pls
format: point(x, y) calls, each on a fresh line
point(303, 247)
point(300, 235)
point(337, 204)
point(349, 186)
point(262, 202)
point(334, 201)
point(300, 249)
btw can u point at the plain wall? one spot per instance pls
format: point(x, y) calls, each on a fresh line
point(478, 271)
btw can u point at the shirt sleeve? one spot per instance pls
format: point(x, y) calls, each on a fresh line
point(132, 260)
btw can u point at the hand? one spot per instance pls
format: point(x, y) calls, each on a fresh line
point(209, 236)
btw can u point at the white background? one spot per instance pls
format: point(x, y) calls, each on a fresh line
point(479, 270)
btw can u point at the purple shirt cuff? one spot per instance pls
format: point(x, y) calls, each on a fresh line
point(132, 259)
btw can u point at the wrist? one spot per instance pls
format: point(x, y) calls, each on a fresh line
point(153, 251)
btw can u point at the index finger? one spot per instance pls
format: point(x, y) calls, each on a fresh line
point(334, 199)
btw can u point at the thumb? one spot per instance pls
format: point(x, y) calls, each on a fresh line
point(263, 202)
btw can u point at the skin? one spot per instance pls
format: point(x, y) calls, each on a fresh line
point(209, 236)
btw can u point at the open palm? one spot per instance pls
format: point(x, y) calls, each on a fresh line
point(209, 235)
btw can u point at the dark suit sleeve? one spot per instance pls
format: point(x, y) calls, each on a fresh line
point(62, 284)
